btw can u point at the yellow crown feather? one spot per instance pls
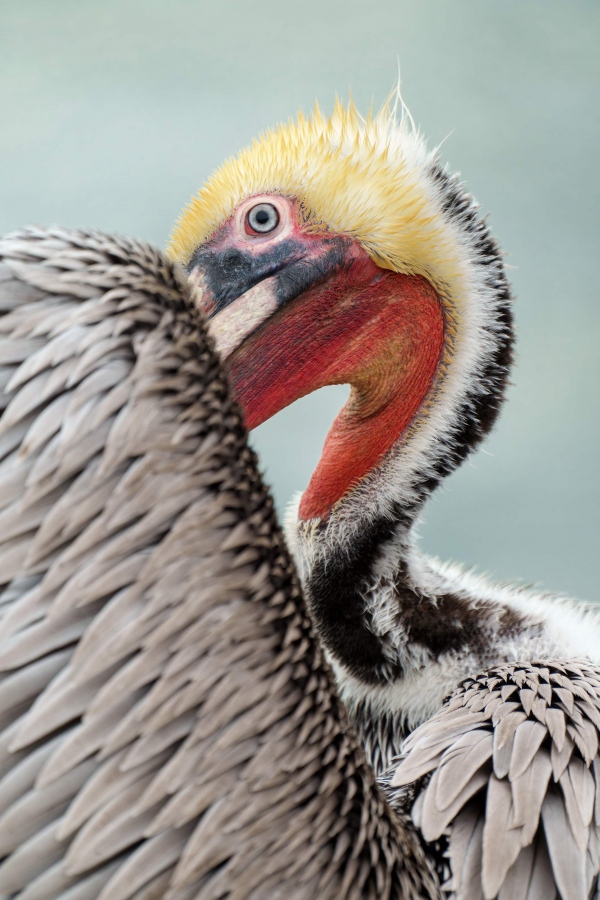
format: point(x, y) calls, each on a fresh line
point(361, 177)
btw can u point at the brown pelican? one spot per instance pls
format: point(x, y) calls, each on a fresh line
point(339, 251)
point(168, 725)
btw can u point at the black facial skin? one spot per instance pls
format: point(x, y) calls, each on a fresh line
point(229, 272)
point(297, 278)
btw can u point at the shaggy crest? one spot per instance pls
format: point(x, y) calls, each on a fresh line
point(354, 176)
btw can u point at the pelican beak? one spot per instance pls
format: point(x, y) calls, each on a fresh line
point(328, 315)
point(257, 296)
point(231, 325)
point(240, 290)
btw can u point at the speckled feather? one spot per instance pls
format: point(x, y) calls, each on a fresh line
point(168, 726)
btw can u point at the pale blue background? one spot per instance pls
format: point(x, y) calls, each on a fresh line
point(113, 112)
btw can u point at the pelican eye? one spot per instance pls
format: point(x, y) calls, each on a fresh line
point(263, 218)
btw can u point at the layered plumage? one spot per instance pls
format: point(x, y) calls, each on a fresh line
point(168, 725)
point(505, 780)
point(374, 268)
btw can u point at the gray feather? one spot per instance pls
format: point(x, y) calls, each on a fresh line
point(501, 841)
point(568, 865)
point(534, 833)
point(159, 668)
point(528, 792)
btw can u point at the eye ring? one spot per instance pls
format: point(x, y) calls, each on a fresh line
point(262, 219)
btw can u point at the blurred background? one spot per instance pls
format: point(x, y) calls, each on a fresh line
point(113, 114)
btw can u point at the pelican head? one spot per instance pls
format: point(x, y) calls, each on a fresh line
point(336, 250)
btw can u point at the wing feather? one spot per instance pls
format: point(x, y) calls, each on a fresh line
point(469, 753)
point(528, 773)
point(567, 863)
point(501, 841)
point(160, 674)
point(434, 821)
point(528, 792)
point(465, 853)
point(518, 878)
point(528, 740)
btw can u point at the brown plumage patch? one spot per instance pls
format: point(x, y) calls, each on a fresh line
point(450, 623)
